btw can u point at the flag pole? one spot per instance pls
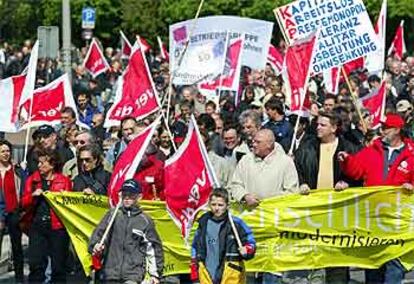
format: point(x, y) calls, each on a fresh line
point(31, 89)
point(167, 127)
point(222, 70)
point(180, 58)
point(354, 100)
point(295, 131)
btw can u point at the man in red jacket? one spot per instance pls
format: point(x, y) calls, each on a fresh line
point(389, 160)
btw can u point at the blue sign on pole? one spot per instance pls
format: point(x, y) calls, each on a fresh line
point(88, 18)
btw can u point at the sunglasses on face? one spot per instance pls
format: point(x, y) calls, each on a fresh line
point(80, 142)
point(86, 160)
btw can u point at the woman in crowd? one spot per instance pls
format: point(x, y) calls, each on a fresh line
point(11, 188)
point(92, 178)
point(47, 235)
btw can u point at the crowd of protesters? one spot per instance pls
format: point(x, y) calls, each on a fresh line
point(248, 134)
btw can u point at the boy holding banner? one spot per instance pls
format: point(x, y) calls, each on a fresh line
point(218, 236)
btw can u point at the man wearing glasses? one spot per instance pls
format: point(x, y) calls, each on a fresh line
point(133, 242)
point(83, 138)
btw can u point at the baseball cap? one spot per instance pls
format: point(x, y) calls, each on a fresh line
point(131, 186)
point(393, 121)
point(44, 131)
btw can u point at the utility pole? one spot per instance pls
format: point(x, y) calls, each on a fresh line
point(66, 38)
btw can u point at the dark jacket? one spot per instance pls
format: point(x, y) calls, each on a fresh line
point(307, 161)
point(228, 249)
point(97, 180)
point(132, 240)
point(281, 129)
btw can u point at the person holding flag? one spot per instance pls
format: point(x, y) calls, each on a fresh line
point(133, 241)
point(216, 255)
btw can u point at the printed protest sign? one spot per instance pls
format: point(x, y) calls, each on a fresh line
point(201, 45)
point(346, 30)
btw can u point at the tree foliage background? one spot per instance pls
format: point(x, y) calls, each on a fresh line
point(19, 19)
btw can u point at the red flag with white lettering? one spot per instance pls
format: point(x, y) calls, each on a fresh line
point(275, 59)
point(135, 94)
point(163, 50)
point(296, 70)
point(398, 43)
point(48, 103)
point(10, 92)
point(229, 77)
point(375, 103)
point(189, 179)
point(125, 46)
point(95, 62)
point(128, 162)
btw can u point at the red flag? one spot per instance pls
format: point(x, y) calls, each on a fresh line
point(10, 92)
point(129, 160)
point(398, 44)
point(331, 80)
point(144, 44)
point(135, 95)
point(229, 78)
point(355, 64)
point(375, 103)
point(163, 50)
point(296, 69)
point(125, 46)
point(275, 59)
point(189, 179)
point(48, 103)
point(95, 61)
point(29, 84)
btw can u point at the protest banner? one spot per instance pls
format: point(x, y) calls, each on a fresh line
point(229, 76)
point(359, 227)
point(375, 61)
point(346, 30)
point(208, 30)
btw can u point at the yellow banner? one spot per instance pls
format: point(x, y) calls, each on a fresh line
point(359, 227)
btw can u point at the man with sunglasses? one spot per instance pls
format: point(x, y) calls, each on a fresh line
point(132, 242)
point(48, 140)
point(83, 138)
point(389, 160)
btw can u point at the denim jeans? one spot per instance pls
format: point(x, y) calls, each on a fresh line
point(394, 272)
point(269, 278)
point(390, 272)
